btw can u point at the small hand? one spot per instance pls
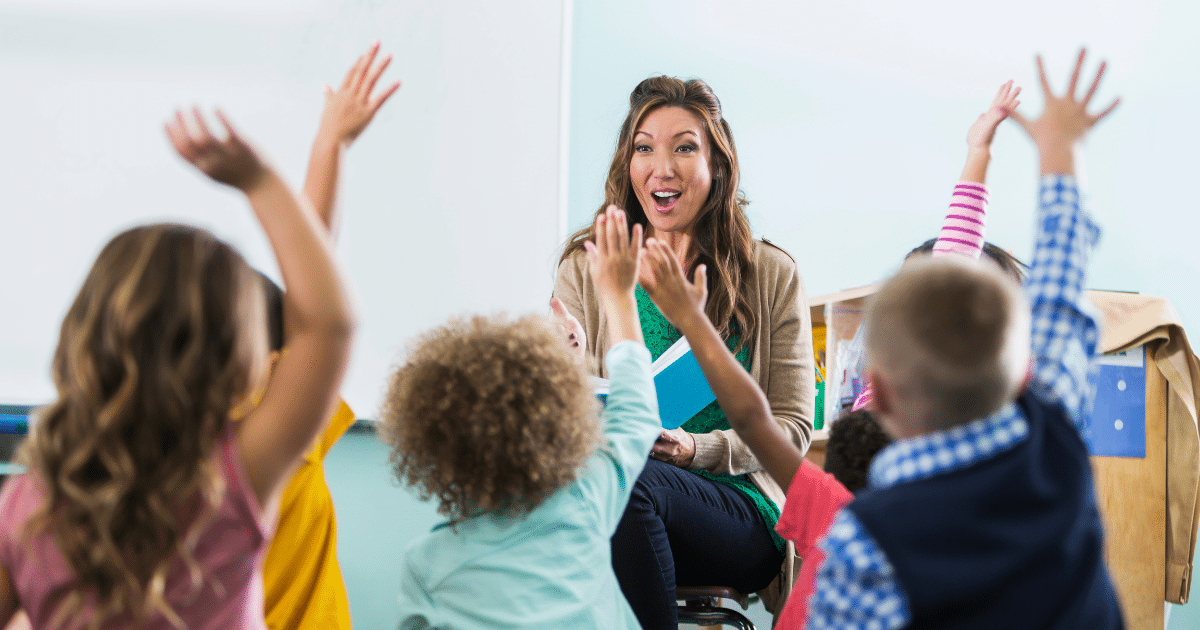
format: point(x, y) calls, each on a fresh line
point(979, 136)
point(662, 278)
point(350, 108)
point(613, 255)
point(230, 161)
point(1064, 121)
point(571, 328)
point(676, 447)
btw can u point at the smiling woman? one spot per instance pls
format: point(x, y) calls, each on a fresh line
point(703, 512)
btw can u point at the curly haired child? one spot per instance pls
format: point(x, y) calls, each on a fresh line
point(143, 505)
point(496, 421)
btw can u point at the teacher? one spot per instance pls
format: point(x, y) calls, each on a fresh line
point(703, 511)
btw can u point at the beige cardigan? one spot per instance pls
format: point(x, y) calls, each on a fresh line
point(781, 363)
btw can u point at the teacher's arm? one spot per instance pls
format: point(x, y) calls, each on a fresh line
point(786, 375)
point(580, 325)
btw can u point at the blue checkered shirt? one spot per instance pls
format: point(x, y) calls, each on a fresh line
point(857, 587)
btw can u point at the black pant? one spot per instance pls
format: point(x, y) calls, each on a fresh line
point(682, 529)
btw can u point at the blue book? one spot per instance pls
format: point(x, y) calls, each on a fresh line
point(679, 383)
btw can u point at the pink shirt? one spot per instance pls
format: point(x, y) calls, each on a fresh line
point(230, 550)
point(813, 499)
point(962, 234)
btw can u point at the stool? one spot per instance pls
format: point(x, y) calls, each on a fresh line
point(702, 606)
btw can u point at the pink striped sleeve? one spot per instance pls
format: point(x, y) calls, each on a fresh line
point(962, 232)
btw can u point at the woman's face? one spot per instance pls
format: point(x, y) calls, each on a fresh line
point(669, 168)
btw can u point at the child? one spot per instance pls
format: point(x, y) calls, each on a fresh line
point(302, 583)
point(143, 506)
point(854, 439)
point(983, 513)
point(963, 228)
point(496, 419)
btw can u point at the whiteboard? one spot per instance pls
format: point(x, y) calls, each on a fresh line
point(450, 199)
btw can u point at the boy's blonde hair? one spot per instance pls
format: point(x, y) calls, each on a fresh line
point(490, 415)
point(953, 334)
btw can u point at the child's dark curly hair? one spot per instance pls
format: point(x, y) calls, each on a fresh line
point(490, 415)
point(854, 439)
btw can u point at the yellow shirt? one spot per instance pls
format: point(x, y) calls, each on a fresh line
point(301, 577)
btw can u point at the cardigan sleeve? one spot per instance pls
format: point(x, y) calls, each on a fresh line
point(785, 367)
point(572, 285)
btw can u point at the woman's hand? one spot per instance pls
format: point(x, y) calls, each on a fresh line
point(676, 447)
point(230, 161)
point(981, 133)
point(1064, 121)
point(571, 328)
point(350, 108)
point(679, 301)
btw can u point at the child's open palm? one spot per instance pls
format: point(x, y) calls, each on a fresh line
point(664, 282)
point(230, 161)
point(350, 108)
point(613, 254)
point(981, 133)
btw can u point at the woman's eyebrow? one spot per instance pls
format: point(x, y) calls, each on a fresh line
point(647, 133)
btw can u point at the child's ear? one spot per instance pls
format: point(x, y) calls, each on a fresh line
point(1028, 378)
point(882, 401)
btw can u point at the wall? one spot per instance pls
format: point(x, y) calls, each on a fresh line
point(459, 171)
point(853, 115)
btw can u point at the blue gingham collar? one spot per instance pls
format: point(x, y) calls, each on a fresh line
point(957, 447)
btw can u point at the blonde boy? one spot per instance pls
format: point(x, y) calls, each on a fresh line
point(982, 514)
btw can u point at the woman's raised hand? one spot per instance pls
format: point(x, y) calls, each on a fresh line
point(679, 301)
point(613, 254)
point(350, 108)
point(981, 133)
point(1064, 121)
point(229, 161)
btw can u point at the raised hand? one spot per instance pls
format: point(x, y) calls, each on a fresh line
point(572, 330)
point(613, 264)
point(980, 135)
point(229, 161)
point(350, 108)
point(613, 254)
point(662, 277)
point(1064, 121)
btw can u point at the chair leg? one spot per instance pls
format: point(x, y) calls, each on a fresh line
point(706, 615)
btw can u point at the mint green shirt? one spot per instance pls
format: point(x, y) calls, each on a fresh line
point(551, 568)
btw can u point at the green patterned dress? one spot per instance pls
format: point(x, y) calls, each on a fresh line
point(660, 335)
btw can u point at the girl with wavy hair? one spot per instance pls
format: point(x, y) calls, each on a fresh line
point(144, 507)
point(703, 511)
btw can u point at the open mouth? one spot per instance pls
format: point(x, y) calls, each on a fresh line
point(664, 200)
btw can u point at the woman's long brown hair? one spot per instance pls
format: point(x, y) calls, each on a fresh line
point(721, 236)
point(153, 354)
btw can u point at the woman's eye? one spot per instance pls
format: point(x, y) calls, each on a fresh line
point(641, 148)
point(686, 148)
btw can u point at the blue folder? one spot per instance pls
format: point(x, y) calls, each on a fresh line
point(679, 384)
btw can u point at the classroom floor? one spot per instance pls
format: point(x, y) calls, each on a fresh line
point(377, 518)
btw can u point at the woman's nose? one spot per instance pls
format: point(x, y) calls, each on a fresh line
point(664, 166)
